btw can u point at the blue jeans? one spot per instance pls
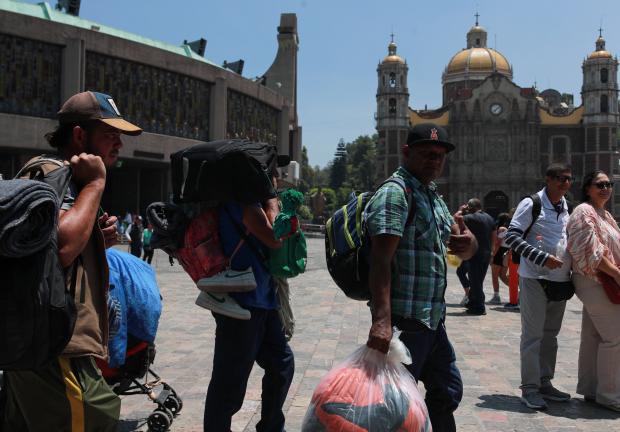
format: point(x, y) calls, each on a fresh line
point(238, 344)
point(434, 363)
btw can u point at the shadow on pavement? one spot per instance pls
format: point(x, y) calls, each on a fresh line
point(132, 425)
point(504, 309)
point(574, 409)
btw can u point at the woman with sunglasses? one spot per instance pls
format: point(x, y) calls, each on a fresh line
point(594, 243)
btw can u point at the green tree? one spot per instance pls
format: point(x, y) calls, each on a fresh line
point(307, 173)
point(361, 155)
point(338, 172)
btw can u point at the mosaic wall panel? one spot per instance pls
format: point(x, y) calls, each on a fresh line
point(251, 119)
point(30, 74)
point(157, 100)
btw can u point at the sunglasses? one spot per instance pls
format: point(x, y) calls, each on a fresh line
point(563, 179)
point(604, 185)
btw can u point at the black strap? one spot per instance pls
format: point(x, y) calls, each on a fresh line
point(257, 252)
point(536, 208)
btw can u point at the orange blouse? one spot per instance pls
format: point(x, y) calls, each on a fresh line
point(592, 236)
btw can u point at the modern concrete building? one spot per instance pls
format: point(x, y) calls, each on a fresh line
point(178, 97)
point(506, 135)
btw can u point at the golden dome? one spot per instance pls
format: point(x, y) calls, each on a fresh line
point(600, 52)
point(392, 57)
point(478, 60)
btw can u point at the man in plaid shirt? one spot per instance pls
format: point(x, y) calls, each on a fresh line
point(412, 298)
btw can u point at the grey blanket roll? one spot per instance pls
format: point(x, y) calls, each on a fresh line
point(28, 216)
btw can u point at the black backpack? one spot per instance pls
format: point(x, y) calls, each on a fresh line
point(536, 208)
point(223, 170)
point(37, 312)
point(347, 244)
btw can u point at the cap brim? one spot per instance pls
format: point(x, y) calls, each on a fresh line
point(448, 146)
point(283, 160)
point(123, 125)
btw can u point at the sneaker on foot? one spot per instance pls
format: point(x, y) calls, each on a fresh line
point(229, 281)
point(222, 304)
point(533, 400)
point(495, 300)
point(551, 393)
point(465, 300)
point(469, 311)
point(511, 306)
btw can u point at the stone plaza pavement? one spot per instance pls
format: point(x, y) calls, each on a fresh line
point(330, 326)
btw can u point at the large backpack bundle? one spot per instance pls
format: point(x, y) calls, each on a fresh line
point(347, 244)
point(223, 170)
point(37, 312)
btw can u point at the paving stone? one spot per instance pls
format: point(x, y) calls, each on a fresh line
point(330, 327)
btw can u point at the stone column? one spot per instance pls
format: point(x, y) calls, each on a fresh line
point(283, 132)
point(218, 109)
point(73, 69)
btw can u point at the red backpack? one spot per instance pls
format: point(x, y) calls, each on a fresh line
point(202, 255)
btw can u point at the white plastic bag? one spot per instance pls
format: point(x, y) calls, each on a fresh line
point(369, 392)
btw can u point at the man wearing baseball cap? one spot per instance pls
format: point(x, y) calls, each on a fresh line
point(412, 226)
point(70, 393)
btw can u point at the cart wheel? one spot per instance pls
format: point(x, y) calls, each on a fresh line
point(159, 421)
point(174, 404)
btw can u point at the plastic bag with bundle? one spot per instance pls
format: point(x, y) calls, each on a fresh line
point(369, 392)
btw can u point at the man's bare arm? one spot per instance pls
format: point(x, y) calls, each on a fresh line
point(462, 242)
point(76, 224)
point(382, 251)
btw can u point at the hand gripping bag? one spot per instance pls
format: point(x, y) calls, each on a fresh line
point(369, 392)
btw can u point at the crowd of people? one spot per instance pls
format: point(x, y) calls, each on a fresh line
point(561, 251)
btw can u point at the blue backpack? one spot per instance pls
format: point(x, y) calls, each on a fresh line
point(347, 244)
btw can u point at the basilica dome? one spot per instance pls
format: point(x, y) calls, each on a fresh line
point(479, 60)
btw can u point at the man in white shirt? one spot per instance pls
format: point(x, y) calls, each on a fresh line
point(543, 258)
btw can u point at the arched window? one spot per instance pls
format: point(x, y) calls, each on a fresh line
point(392, 106)
point(383, 79)
point(604, 103)
point(604, 75)
point(392, 79)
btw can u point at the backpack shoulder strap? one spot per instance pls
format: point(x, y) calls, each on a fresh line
point(40, 164)
point(411, 204)
point(536, 208)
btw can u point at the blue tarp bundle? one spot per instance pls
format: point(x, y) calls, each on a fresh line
point(133, 290)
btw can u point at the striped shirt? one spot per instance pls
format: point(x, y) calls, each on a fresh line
point(546, 237)
point(417, 291)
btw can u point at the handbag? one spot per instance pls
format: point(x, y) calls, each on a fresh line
point(610, 286)
point(557, 291)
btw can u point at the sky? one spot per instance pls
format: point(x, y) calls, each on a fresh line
point(342, 42)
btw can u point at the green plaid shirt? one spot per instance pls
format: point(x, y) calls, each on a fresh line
point(419, 290)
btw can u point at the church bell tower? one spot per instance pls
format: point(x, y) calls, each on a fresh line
point(392, 114)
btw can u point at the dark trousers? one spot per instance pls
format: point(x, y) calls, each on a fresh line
point(238, 344)
point(461, 272)
point(147, 254)
point(478, 266)
point(434, 363)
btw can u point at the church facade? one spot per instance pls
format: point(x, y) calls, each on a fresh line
point(505, 135)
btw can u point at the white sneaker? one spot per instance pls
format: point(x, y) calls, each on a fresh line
point(229, 281)
point(223, 305)
point(465, 300)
